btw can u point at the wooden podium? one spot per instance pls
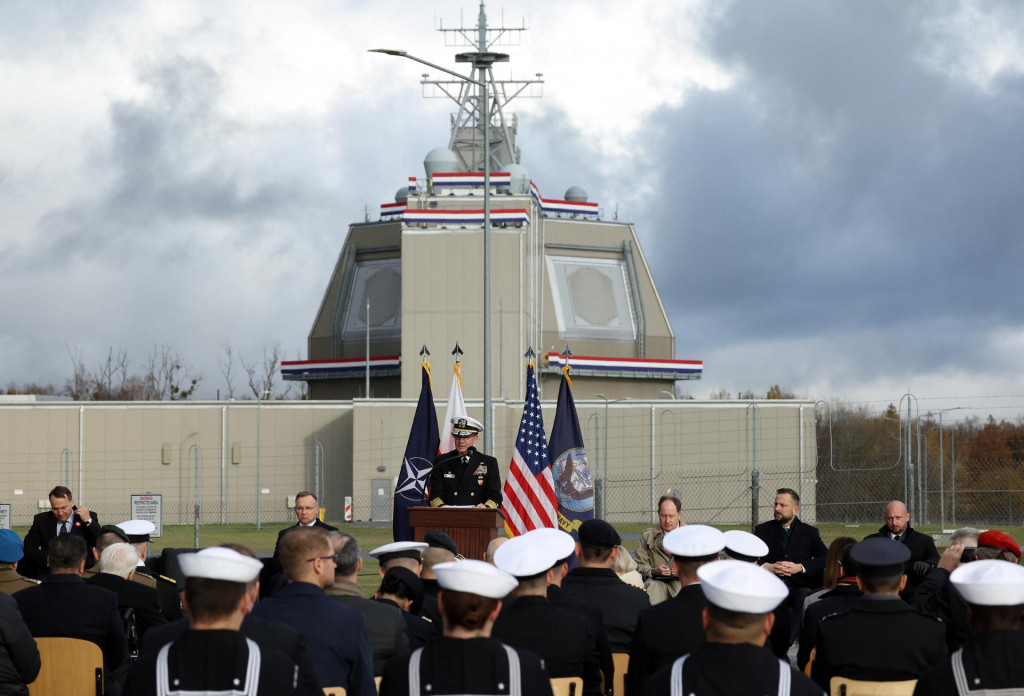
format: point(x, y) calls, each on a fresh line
point(470, 528)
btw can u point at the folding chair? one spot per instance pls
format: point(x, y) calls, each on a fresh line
point(70, 667)
point(841, 686)
point(567, 686)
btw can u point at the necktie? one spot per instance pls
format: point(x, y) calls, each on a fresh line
point(897, 537)
point(63, 528)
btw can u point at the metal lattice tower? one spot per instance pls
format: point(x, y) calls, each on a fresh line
point(467, 122)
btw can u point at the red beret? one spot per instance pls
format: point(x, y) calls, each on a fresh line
point(999, 540)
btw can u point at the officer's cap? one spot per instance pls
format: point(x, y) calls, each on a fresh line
point(744, 546)
point(990, 583)
point(115, 530)
point(466, 426)
point(138, 531)
point(599, 534)
point(475, 577)
point(996, 539)
point(562, 544)
point(219, 563)
point(526, 556)
point(399, 549)
point(440, 540)
point(694, 542)
point(12, 548)
point(879, 557)
point(741, 587)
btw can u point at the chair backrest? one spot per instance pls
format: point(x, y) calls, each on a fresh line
point(567, 686)
point(131, 632)
point(841, 686)
point(621, 661)
point(334, 691)
point(376, 680)
point(70, 667)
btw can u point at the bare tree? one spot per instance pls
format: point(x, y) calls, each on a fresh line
point(111, 377)
point(79, 386)
point(261, 377)
point(167, 376)
point(227, 368)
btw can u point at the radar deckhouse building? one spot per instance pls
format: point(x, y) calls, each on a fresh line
point(560, 274)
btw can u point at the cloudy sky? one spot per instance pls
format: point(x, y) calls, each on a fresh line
point(829, 193)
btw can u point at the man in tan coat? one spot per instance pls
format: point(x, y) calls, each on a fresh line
point(653, 562)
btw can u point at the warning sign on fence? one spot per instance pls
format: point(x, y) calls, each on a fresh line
point(149, 507)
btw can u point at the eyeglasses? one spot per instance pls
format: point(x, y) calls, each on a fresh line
point(306, 509)
point(324, 558)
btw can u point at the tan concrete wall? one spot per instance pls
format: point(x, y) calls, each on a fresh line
point(705, 450)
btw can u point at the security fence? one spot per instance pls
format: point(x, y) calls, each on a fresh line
point(229, 470)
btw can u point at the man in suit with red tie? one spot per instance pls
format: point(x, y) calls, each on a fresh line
point(64, 517)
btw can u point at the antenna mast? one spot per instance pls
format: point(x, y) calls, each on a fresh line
point(467, 122)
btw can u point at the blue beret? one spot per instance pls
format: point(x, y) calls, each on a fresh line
point(11, 547)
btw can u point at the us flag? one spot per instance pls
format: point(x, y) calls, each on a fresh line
point(529, 490)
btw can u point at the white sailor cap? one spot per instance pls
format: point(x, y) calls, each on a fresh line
point(993, 582)
point(475, 577)
point(525, 556)
point(219, 563)
point(466, 426)
point(741, 587)
point(137, 530)
point(694, 542)
point(744, 546)
point(399, 549)
point(562, 544)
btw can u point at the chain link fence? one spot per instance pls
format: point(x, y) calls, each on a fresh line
point(229, 472)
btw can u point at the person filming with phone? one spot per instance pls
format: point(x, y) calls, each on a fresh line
point(64, 517)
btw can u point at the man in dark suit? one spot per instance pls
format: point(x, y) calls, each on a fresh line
point(62, 605)
point(335, 634)
point(464, 476)
point(64, 518)
point(923, 554)
point(562, 638)
point(674, 627)
point(117, 565)
point(796, 554)
point(881, 637)
point(386, 625)
point(307, 513)
point(593, 581)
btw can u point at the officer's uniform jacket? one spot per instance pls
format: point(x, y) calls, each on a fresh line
point(470, 479)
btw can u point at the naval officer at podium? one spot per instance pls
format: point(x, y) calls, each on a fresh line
point(464, 476)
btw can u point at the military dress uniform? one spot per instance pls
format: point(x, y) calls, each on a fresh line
point(219, 661)
point(11, 582)
point(469, 479)
point(466, 666)
point(664, 632)
point(739, 669)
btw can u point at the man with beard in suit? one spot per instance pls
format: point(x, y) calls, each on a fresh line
point(796, 554)
point(464, 476)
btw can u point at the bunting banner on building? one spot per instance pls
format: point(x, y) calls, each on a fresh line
point(456, 409)
point(420, 452)
point(570, 470)
point(529, 495)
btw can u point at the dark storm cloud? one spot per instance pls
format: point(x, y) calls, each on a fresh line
point(841, 184)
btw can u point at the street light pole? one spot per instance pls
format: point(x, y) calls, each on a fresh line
point(481, 60)
point(259, 433)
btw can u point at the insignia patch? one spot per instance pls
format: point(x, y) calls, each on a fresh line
point(481, 470)
point(449, 475)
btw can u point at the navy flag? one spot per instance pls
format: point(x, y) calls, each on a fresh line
point(570, 469)
point(410, 491)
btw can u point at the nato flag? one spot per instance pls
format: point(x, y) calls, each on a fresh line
point(420, 451)
point(570, 469)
